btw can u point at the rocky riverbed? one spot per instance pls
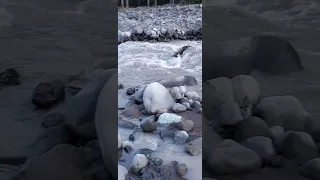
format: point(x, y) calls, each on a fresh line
point(163, 23)
point(160, 132)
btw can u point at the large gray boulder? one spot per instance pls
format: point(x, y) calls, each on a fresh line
point(286, 111)
point(232, 157)
point(156, 97)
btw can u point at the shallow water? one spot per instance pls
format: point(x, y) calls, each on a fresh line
point(163, 149)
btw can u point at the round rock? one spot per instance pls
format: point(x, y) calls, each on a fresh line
point(148, 124)
point(139, 161)
point(181, 137)
point(181, 169)
point(186, 125)
point(177, 108)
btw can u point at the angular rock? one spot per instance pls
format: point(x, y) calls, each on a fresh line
point(168, 118)
point(251, 127)
point(231, 157)
point(139, 94)
point(49, 93)
point(132, 111)
point(148, 124)
point(194, 147)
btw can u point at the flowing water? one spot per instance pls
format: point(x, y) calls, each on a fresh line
point(144, 62)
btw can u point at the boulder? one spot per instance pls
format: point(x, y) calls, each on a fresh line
point(284, 111)
point(216, 92)
point(251, 127)
point(300, 146)
point(262, 146)
point(232, 157)
point(228, 114)
point(246, 90)
point(66, 162)
point(156, 97)
point(80, 110)
point(106, 119)
point(48, 93)
point(311, 169)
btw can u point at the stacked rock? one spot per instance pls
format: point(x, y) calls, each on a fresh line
point(164, 34)
point(249, 132)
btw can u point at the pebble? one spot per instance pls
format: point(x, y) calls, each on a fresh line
point(130, 91)
point(131, 137)
point(127, 149)
point(181, 169)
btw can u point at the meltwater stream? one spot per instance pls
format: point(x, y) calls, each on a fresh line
point(144, 62)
